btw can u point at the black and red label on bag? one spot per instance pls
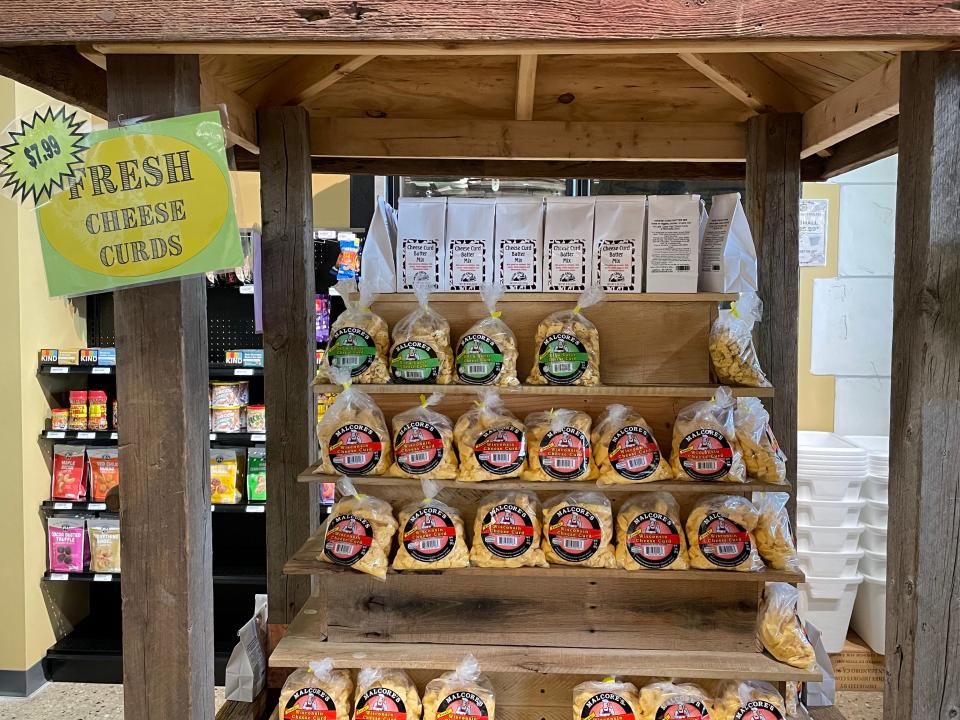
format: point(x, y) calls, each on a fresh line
point(758, 710)
point(507, 531)
point(682, 709)
point(633, 453)
point(723, 542)
point(418, 446)
point(348, 538)
point(653, 540)
point(355, 449)
point(310, 703)
point(564, 453)
point(380, 703)
point(705, 454)
point(574, 533)
point(462, 704)
point(429, 534)
point(607, 705)
point(501, 450)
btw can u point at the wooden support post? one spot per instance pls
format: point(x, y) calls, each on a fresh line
point(773, 209)
point(289, 343)
point(923, 583)
point(161, 333)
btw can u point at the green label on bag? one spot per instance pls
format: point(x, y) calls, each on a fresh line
point(479, 359)
point(353, 348)
point(414, 362)
point(562, 358)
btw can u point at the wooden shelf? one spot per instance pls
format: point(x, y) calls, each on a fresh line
point(519, 297)
point(618, 391)
point(304, 562)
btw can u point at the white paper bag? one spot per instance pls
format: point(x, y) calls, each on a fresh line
point(568, 244)
point(728, 257)
point(618, 243)
point(518, 246)
point(246, 672)
point(420, 235)
point(469, 244)
point(377, 269)
point(673, 243)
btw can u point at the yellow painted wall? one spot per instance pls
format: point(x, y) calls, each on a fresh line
point(331, 199)
point(816, 393)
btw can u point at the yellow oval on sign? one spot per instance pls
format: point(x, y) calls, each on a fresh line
point(144, 204)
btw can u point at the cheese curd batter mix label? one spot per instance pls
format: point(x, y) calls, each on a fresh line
point(683, 710)
point(414, 362)
point(462, 704)
point(310, 704)
point(758, 710)
point(705, 454)
point(348, 539)
point(352, 348)
point(607, 705)
point(633, 453)
point(507, 531)
point(355, 449)
point(722, 541)
point(562, 358)
point(479, 359)
point(653, 541)
point(380, 703)
point(418, 447)
point(429, 534)
point(564, 453)
point(574, 533)
point(500, 450)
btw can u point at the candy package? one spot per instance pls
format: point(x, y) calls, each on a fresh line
point(420, 353)
point(463, 692)
point(103, 471)
point(66, 544)
point(577, 530)
point(568, 346)
point(506, 531)
point(359, 532)
point(487, 352)
point(705, 444)
point(256, 474)
point(224, 477)
point(423, 443)
point(491, 441)
point(559, 446)
point(431, 534)
point(650, 535)
point(354, 438)
point(104, 545)
point(625, 449)
point(69, 479)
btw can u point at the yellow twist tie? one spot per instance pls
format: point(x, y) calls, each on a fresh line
point(423, 401)
point(496, 314)
point(346, 385)
point(576, 309)
point(733, 310)
point(366, 309)
point(609, 679)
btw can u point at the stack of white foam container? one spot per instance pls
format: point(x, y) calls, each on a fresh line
point(830, 475)
point(870, 610)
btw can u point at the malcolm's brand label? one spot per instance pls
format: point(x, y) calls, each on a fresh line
point(469, 243)
point(501, 450)
point(706, 454)
point(353, 348)
point(380, 703)
point(653, 540)
point(564, 454)
point(574, 533)
point(758, 710)
point(310, 703)
point(607, 705)
point(421, 232)
point(348, 538)
point(563, 359)
point(618, 243)
point(414, 362)
point(429, 534)
point(683, 709)
point(633, 453)
point(722, 541)
point(507, 531)
point(462, 704)
point(518, 244)
point(418, 447)
point(568, 243)
point(479, 359)
point(355, 449)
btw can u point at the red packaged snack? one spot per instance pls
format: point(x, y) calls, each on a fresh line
point(103, 471)
point(78, 409)
point(69, 480)
point(97, 410)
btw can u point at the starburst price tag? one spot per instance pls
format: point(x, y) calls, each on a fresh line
point(41, 154)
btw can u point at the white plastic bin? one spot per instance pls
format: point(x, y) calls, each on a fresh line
point(830, 564)
point(831, 487)
point(875, 488)
point(828, 604)
point(831, 513)
point(874, 563)
point(875, 513)
point(876, 445)
point(828, 539)
point(869, 617)
point(810, 441)
point(846, 466)
point(875, 539)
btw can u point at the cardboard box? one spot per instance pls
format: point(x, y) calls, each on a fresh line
point(49, 356)
point(68, 357)
point(88, 356)
point(107, 357)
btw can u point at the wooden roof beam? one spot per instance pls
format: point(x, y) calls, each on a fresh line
point(526, 86)
point(241, 117)
point(301, 79)
point(60, 72)
point(750, 81)
point(860, 105)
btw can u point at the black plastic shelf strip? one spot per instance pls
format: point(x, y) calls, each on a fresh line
point(78, 506)
point(79, 436)
point(76, 370)
point(226, 576)
point(239, 438)
point(222, 370)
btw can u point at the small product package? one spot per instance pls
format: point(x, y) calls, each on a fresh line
point(420, 353)
point(720, 533)
point(670, 701)
point(518, 244)
point(104, 545)
point(608, 698)
point(229, 393)
point(103, 471)
point(728, 258)
point(66, 543)
point(780, 629)
point(774, 536)
point(625, 449)
point(559, 443)
point(487, 352)
point(245, 675)
point(506, 531)
point(462, 693)
point(673, 243)
point(618, 243)
point(226, 419)
point(421, 230)
point(578, 529)
point(78, 410)
point(384, 693)
point(359, 532)
point(256, 418)
point(377, 268)
point(431, 534)
point(491, 441)
point(423, 443)
point(97, 418)
point(353, 435)
point(705, 447)
point(224, 469)
point(69, 478)
point(568, 346)
point(359, 338)
point(650, 535)
point(568, 243)
point(764, 459)
point(732, 352)
point(317, 692)
point(469, 243)
point(747, 700)
point(59, 419)
point(88, 356)
point(257, 474)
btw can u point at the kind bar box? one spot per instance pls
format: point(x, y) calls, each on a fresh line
point(421, 230)
point(469, 246)
point(618, 243)
point(568, 244)
point(728, 257)
point(518, 246)
point(673, 243)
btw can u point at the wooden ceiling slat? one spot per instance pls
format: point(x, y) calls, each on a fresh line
point(301, 79)
point(750, 81)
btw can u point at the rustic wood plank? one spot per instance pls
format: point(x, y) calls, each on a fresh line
point(58, 71)
point(301, 79)
point(866, 147)
point(288, 342)
point(161, 333)
point(623, 393)
point(241, 120)
point(860, 105)
point(260, 709)
point(749, 81)
point(923, 586)
point(526, 86)
point(529, 139)
point(772, 208)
